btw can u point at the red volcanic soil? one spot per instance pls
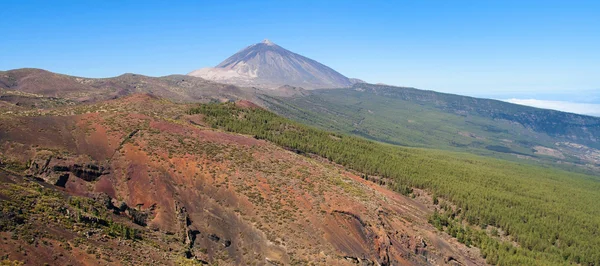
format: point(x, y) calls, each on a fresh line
point(247, 104)
point(221, 197)
point(40, 82)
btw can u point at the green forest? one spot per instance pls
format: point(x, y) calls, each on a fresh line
point(547, 216)
point(427, 119)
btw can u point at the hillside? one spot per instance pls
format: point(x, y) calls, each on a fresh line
point(516, 214)
point(118, 179)
point(411, 117)
point(268, 65)
point(396, 115)
point(39, 88)
point(142, 180)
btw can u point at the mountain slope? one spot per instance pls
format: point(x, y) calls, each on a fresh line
point(516, 213)
point(193, 194)
point(269, 65)
point(412, 117)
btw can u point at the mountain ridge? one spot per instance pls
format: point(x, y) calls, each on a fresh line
point(180, 88)
point(472, 119)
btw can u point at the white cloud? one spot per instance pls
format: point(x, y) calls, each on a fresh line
point(572, 107)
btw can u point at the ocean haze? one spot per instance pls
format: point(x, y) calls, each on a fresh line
point(565, 106)
point(579, 101)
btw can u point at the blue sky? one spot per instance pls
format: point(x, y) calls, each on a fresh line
point(495, 49)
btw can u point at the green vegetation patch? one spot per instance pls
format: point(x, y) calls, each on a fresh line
point(26, 205)
point(415, 118)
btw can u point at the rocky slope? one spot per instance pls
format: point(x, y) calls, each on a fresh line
point(269, 65)
point(137, 181)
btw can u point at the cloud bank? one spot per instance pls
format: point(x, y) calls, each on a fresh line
point(572, 107)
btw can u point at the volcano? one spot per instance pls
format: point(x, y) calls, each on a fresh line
point(268, 65)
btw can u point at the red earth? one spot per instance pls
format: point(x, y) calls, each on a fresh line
point(227, 198)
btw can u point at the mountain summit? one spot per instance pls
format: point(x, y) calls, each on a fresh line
point(269, 65)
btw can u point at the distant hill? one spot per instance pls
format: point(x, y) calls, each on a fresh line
point(25, 86)
point(412, 117)
point(269, 65)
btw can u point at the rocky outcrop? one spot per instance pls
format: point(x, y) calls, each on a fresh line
point(186, 234)
point(373, 237)
point(183, 220)
point(57, 170)
point(139, 217)
point(88, 172)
